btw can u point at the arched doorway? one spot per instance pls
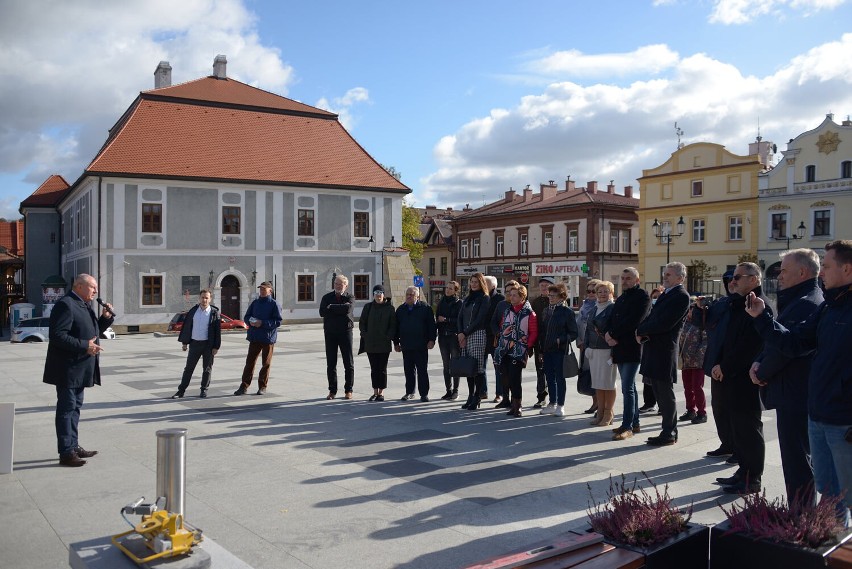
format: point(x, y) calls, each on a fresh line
point(231, 297)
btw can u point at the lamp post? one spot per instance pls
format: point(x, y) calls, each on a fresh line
point(667, 236)
point(800, 234)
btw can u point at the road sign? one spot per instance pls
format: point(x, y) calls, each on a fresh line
point(525, 278)
point(418, 281)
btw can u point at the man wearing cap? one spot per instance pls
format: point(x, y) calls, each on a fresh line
point(263, 318)
point(337, 323)
point(539, 306)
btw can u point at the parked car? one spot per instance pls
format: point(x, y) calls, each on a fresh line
point(38, 330)
point(228, 323)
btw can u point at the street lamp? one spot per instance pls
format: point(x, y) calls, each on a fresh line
point(800, 234)
point(667, 236)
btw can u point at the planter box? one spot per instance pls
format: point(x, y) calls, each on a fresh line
point(689, 548)
point(740, 550)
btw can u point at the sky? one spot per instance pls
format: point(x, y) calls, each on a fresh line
point(465, 98)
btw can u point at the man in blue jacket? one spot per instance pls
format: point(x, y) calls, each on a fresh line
point(263, 318)
point(416, 332)
point(784, 378)
point(201, 334)
point(828, 331)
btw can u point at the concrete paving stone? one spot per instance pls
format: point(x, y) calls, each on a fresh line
point(30, 542)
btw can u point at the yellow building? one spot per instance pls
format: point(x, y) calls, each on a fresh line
point(805, 197)
point(700, 205)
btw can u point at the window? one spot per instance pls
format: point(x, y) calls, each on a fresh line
point(474, 247)
point(463, 249)
point(665, 228)
point(810, 173)
point(625, 240)
point(361, 224)
point(548, 242)
point(152, 290)
point(361, 289)
point(432, 266)
point(697, 188)
point(231, 220)
point(498, 246)
point(735, 228)
point(778, 224)
point(306, 223)
point(573, 241)
point(443, 266)
point(305, 285)
point(822, 223)
point(698, 230)
point(846, 169)
point(152, 218)
point(523, 244)
point(613, 240)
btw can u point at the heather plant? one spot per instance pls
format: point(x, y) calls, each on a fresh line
point(633, 516)
point(800, 523)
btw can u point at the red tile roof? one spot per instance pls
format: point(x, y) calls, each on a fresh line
point(222, 129)
point(576, 198)
point(48, 193)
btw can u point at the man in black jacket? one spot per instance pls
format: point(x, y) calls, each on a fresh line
point(740, 348)
point(630, 308)
point(660, 331)
point(72, 362)
point(415, 335)
point(716, 324)
point(337, 323)
point(201, 334)
point(784, 378)
point(539, 305)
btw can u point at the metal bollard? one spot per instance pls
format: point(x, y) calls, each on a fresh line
point(171, 468)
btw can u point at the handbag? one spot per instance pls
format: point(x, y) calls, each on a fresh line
point(463, 366)
point(570, 366)
point(584, 382)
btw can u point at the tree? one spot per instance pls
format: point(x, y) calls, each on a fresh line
point(411, 237)
point(392, 171)
point(700, 269)
point(747, 258)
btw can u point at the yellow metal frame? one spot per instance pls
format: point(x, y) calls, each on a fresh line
point(160, 523)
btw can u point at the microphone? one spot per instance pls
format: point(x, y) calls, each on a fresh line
point(110, 310)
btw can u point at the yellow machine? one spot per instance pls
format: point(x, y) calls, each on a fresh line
point(162, 532)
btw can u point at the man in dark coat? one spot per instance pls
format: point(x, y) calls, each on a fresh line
point(415, 335)
point(539, 305)
point(741, 345)
point(629, 309)
point(337, 323)
point(716, 324)
point(72, 362)
point(659, 332)
point(201, 335)
point(784, 378)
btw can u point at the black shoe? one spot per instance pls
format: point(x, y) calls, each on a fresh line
point(178, 395)
point(380, 397)
point(688, 416)
point(506, 403)
point(699, 419)
point(203, 395)
point(729, 480)
point(733, 459)
point(372, 397)
point(407, 397)
point(644, 408)
point(424, 398)
point(261, 391)
point(240, 391)
point(71, 459)
point(661, 441)
point(83, 453)
point(454, 395)
point(719, 452)
point(742, 488)
point(447, 396)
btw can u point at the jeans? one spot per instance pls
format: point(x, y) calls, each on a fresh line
point(628, 371)
point(68, 403)
point(449, 346)
point(831, 455)
point(553, 371)
point(198, 349)
point(343, 342)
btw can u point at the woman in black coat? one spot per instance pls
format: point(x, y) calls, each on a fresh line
point(557, 330)
point(472, 322)
point(447, 317)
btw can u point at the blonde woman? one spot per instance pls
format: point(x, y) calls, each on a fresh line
point(599, 354)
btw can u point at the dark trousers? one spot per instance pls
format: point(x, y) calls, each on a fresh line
point(342, 341)
point(198, 349)
point(414, 364)
point(265, 351)
point(664, 392)
point(379, 369)
point(68, 403)
point(795, 453)
point(449, 346)
point(749, 446)
point(648, 399)
point(511, 371)
point(540, 375)
point(721, 411)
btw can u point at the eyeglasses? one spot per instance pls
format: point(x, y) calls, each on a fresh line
point(738, 277)
point(590, 291)
point(553, 294)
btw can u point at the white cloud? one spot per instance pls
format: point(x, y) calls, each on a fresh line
point(602, 131)
point(573, 63)
point(342, 106)
point(743, 11)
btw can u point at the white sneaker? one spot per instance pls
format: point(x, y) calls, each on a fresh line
point(560, 411)
point(548, 409)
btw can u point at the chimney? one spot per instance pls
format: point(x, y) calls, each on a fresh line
point(528, 193)
point(610, 188)
point(547, 190)
point(163, 75)
point(628, 191)
point(592, 187)
point(569, 185)
point(510, 195)
point(220, 65)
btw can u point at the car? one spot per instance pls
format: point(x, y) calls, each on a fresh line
point(228, 323)
point(38, 330)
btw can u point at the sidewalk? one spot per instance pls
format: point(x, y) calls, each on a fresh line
point(290, 480)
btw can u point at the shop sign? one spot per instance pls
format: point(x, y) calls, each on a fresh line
point(437, 283)
point(521, 268)
point(465, 271)
point(561, 269)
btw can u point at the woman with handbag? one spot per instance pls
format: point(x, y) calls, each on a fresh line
point(518, 333)
point(473, 318)
point(599, 354)
point(587, 310)
point(559, 330)
point(378, 328)
point(447, 317)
